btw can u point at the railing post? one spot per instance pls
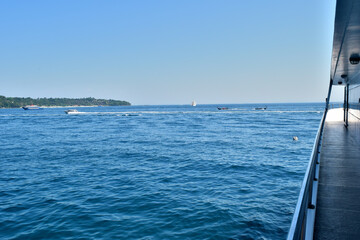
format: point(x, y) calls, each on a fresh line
point(344, 106)
point(329, 94)
point(347, 106)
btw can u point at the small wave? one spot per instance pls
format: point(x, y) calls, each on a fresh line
point(128, 115)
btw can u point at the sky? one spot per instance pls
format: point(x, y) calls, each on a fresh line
point(168, 52)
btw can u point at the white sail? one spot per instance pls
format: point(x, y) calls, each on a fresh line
point(193, 103)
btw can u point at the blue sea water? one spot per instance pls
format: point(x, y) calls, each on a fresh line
point(153, 172)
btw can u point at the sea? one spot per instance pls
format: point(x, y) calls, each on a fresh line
point(154, 172)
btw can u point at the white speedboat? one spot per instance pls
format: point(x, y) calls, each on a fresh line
point(31, 107)
point(72, 111)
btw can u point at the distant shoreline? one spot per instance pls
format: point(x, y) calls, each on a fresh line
point(18, 102)
point(71, 106)
point(81, 106)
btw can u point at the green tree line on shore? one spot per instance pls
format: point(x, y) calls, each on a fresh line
point(16, 102)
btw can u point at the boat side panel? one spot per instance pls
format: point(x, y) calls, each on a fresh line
point(354, 110)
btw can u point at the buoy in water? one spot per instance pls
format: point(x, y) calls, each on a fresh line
point(295, 138)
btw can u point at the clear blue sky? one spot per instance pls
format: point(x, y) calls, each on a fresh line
point(167, 52)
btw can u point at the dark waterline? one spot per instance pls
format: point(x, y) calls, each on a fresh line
point(153, 172)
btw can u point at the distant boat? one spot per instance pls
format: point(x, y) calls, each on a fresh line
point(31, 107)
point(260, 108)
point(193, 103)
point(72, 111)
point(223, 108)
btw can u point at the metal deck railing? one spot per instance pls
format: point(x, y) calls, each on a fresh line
point(302, 225)
point(336, 105)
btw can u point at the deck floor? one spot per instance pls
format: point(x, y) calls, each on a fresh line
point(338, 204)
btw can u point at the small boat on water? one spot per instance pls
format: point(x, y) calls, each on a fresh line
point(223, 108)
point(72, 111)
point(260, 108)
point(31, 107)
point(193, 103)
